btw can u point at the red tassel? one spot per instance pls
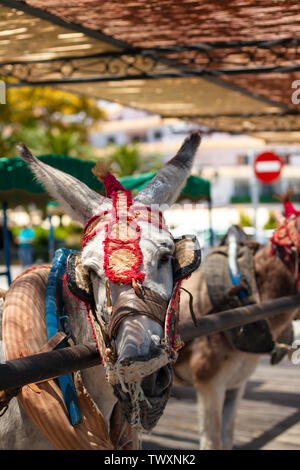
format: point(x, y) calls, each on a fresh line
point(111, 184)
point(289, 210)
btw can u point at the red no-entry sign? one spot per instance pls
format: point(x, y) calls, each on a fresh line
point(267, 167)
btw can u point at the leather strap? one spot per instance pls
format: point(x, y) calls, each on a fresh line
point(234, 290)
point(129, 303)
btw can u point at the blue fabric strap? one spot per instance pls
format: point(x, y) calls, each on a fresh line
point(53, 314)
point(236, 280)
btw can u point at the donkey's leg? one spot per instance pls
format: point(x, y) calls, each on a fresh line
point(210, 399)
point(232, 398)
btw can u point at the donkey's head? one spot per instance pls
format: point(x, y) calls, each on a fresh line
point(128, 257)
point(285, 240)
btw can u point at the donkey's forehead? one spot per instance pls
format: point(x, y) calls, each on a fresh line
point(148, 232)
point(155, 236)
point(151, 238)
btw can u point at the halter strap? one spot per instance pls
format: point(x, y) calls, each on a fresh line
point(136, 213)
point(122, 253)
point(149, 303)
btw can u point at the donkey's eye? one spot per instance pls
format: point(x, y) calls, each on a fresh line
point(164, 259)
point(92, 274)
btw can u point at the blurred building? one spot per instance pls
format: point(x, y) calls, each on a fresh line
point(226, 160)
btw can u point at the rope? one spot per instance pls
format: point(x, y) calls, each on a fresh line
point(191, 305)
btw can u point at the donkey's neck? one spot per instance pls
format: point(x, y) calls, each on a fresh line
point(274, 279)
point(93, 378)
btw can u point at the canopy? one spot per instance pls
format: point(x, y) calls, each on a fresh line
point(231, 66)
point(18, 186)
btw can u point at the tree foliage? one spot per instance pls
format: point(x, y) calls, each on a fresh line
point(48, 121)
point(127, 160)
point(244, 219)
point(271, 223)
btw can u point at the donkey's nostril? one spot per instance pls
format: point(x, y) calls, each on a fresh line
point(155, 384)
point(164, 377)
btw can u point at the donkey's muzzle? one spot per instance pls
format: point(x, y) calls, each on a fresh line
point(138, 339)
point(156, 388)
point(156, 384)
point(129, 303)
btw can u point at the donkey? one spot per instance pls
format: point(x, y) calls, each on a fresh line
point(137, 334)
point(217, 365)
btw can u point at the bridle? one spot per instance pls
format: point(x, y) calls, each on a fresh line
point(122, 265)
point(285, 242)
point(123, 258)
point(122, 262)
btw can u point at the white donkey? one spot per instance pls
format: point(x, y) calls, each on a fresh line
point(137, 336)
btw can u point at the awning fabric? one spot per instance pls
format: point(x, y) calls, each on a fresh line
point(18, 186)
point(227, 66)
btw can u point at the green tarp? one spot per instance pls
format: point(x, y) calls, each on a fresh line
point(18, 186)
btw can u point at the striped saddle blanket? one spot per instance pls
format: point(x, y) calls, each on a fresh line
point(24, 334)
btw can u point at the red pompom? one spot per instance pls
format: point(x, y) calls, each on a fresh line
point(289, 210)
point(111, 184)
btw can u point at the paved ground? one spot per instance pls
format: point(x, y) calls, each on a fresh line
point(268, 416)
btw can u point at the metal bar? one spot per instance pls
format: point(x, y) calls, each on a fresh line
point(241, 130)
point(19, 372)
point(288, 112)
point(36, 368)
point(255, 70)
point(6, 244)
point(100, 79)
point(252, 131)
point(233, 318)
point(205, 73)
point(99, 55)
point(134, 51)
point(209, 46)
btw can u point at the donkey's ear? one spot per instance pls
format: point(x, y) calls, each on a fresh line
point(79, 201)
point(165, 187)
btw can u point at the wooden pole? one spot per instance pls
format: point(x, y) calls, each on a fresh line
point(235, 317)
point(39, 367)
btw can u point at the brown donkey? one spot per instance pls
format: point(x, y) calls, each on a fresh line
point(219, 365)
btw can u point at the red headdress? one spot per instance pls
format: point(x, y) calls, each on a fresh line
point(286, 238)
point(122, 253)
point(289, 210)
point(111, 183)
point(288, 207)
